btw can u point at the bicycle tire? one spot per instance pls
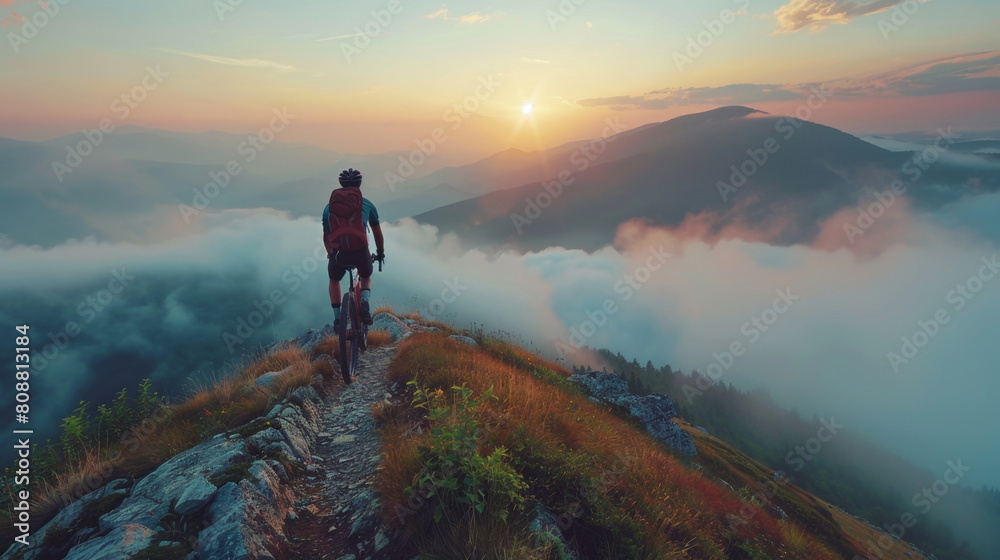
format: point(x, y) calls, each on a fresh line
point(346, 313)
point(356, 334)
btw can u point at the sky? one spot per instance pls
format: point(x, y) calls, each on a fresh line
point(525, 74)
point(229, 63)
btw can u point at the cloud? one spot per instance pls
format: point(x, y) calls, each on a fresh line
point(241, 62)
point(733, 94)
point(535, 60)
point(445, 14)
point(957, 74)
point(827, 355)
point(818, 14)
point(338, 37)
point(14, 19)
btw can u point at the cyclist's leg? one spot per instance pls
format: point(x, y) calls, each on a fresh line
point(336, 273)
point(365, 269)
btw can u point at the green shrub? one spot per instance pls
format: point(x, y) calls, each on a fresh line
point(463, 479)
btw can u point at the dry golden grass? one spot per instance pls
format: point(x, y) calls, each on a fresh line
point(329, 346)
point(379, 339)
point(646, 495)
point(383, 309)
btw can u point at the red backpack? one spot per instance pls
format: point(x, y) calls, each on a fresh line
point(347, 222)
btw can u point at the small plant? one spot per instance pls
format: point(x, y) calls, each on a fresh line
point(77, 430)
point(452, 464)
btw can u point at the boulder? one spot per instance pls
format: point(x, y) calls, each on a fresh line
point(247, 519)
point(655, 412)
point(75, 519)
point(310, 339)
point(265, 381)
point(152, 496)
point(545, 532)
point(391, 323)
point(466, 340)
point(122, 543)
point(195, 496)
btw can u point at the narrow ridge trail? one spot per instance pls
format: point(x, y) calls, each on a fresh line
point(336, 504)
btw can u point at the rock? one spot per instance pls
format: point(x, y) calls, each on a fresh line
point(136, 510)
point(655, 412)
point(311, 338)
point(380, 540)
point(466, 340)
point(391, 323)
point(366, 508)
point(122, 543)
point(73, 519)
point(265, 381)
point(152, 496)
point(777, 512)
point(245, 525)
point(545, 531)
point(196, 496)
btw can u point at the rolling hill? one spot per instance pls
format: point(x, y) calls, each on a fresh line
point(742, 172)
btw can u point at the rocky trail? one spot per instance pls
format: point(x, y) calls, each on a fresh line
point(336, 509)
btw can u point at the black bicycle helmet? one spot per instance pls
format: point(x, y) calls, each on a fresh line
point(350, 178)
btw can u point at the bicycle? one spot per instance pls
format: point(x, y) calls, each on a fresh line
point(352, 331)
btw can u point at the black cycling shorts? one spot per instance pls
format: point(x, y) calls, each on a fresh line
point(361, 260)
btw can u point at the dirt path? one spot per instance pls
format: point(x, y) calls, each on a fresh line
point(336, 503)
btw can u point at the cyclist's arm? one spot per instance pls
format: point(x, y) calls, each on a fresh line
point(379, 239)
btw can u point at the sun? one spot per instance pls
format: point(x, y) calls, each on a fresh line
point(527, 109)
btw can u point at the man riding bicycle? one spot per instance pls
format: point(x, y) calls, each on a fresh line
point(346, 220)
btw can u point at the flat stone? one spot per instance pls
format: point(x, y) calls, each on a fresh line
point(268, 379)
point(195, 497)
point(343, 439)
point(123, 543)
point(465, 340)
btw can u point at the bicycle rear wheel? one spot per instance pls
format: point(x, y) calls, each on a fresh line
point(348, 348)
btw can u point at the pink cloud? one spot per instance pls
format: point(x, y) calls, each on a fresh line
point(14, 19)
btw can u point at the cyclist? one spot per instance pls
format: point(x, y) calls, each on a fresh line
point(346, 220)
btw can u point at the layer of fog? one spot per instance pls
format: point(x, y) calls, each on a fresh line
point(827, 354)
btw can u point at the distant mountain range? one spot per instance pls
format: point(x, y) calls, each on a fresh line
point(740, 170)
point(132, 182)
